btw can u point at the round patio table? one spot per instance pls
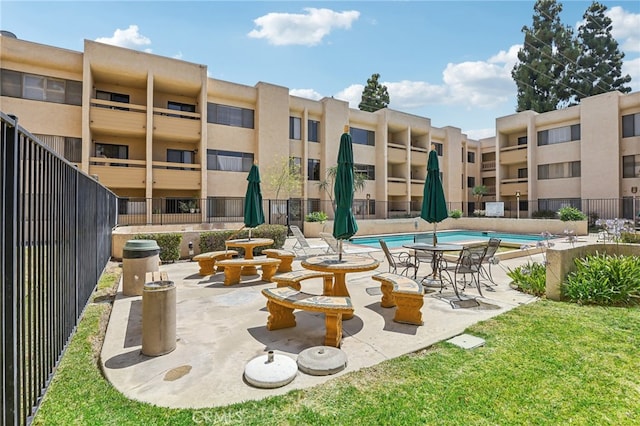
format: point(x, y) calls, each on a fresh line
point(437, 262)
point(248, 245)
point(339, 269)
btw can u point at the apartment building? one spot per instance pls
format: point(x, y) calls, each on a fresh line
point(163, 135)
point(566, 157)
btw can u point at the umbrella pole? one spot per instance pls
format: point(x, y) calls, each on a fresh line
point(340, 250)
point(435, 239)
point(250, 234)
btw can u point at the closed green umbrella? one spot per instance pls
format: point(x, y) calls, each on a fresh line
point(253, 213)
point(434, 206)
point(344, 224)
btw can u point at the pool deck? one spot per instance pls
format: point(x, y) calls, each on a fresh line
point(222, 328)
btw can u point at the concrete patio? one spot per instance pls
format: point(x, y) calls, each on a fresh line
point(220, 329)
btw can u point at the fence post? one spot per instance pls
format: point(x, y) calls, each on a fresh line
point(9, 342)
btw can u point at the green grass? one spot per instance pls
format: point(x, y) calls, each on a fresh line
point(543, 363)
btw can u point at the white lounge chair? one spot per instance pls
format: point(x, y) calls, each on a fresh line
point(302, 245)
point(347, 248)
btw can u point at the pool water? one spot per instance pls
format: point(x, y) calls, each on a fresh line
point(451, 237)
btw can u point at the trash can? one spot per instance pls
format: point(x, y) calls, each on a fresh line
point(138, 258)
point(158, 318)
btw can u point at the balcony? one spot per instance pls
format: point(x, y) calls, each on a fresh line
point(509, 187)
point(170, 124)
point(397, 187)
point(488, 165)
point(118, 173)
point(176, 176)
point(417, 189)
point(117, 118)
point(419, 158)
point(513, 155)
point(397, 155)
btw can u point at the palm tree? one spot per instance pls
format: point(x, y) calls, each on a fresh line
point(326, 185)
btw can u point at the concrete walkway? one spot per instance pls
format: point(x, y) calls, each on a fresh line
point(220, 329)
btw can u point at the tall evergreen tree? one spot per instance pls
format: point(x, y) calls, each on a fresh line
point(374, 96)
point(599, 64)
point(542, 73)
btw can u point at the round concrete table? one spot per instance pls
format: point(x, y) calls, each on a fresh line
point(339, 269)
point(248, 245)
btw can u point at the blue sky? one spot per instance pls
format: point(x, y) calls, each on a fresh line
point(450, 61)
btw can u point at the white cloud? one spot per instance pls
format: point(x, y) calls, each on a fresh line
point(632, 67)
point(413, 94)
point(306, 93)
point(129, 38)
point(308, 29)
point(352, 94)
point(625, 28)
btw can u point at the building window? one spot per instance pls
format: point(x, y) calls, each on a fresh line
point(555, 204)
point(631, 166)
point(40, 88)
point(67, 147)
point(180, 156)
point(313, 130)
point(369, 171)
point(178, 106)
point(313, 169)
point(471, 157)
point(522, 140)
point(439, 148)
point(559, 135)
point(106, 150)
point(471, 181)
point(559, 170)
point(294, 128)
point(73, 149)
point(295, 165)
point(229, 115)
point(313, 205)
point(229, 161)
point(631, 125)
point(522, 173)
point(112, 97)
point(363, 137)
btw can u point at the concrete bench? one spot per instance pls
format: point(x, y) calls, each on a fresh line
point(233, 268)
point(292, 279)
point(404, 293)
point(207, 261)
point(285, 256)
point(282, 301)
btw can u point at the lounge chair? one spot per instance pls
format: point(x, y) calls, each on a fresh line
point(400, 262)
point(347, 248)
point(302, 245)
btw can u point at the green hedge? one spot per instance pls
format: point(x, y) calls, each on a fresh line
point(214, 240)
point(169, 244)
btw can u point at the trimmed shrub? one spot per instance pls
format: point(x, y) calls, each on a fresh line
point(214, 240)
point(169, 244)
point(603, 279)
point(316, 217)
point(530, 278)
point(571, 214)
point(455, 214)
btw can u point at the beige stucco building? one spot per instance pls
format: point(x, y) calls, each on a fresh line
point(159, 132)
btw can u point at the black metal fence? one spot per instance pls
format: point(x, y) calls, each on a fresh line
point(293, 211)
point(57, 224)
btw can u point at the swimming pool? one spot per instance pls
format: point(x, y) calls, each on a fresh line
point(452, 237)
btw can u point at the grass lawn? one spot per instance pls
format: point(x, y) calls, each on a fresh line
point(543, 363)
